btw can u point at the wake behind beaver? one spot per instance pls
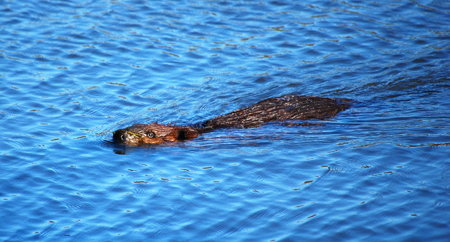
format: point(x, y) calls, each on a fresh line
point(287, 107)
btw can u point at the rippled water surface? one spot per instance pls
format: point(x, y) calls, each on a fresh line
point(74, 71)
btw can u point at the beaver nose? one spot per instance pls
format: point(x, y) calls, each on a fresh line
point(120, 135)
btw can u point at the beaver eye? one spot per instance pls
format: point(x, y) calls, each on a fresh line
point(150, 134)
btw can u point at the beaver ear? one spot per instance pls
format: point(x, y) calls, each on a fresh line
point(182, 134)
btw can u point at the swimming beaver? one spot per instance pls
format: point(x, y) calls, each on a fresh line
point(288, 107)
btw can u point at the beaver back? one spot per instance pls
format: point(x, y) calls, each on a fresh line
point(288, 107)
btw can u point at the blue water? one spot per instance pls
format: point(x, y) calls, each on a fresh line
point(71, 72)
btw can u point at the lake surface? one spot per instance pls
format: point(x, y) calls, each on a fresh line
point(71, 72)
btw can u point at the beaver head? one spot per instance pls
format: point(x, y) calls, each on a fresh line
point(141, 134)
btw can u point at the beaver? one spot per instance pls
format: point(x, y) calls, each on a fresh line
point(281, 109)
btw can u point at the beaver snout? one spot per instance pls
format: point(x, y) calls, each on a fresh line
point(126, 137)
point(121, 136)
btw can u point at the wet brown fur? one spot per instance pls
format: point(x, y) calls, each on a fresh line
point(288, 107)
